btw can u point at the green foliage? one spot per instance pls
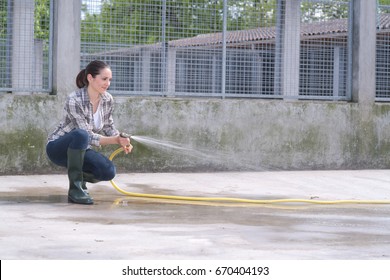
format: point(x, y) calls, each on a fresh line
point(320, 11)
point(137, 22)
point(42, 19)
point(248, 14)
point(140, 22)
point(3, 18)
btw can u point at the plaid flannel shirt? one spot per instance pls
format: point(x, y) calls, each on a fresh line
point(78, 113)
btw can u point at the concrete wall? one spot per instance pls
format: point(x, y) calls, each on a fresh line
point(217, 134)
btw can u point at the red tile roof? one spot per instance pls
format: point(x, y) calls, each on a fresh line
point(337, 27)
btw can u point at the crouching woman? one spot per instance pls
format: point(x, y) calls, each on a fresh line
point(87, 122)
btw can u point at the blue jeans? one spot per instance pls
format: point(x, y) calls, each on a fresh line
point(94, 163)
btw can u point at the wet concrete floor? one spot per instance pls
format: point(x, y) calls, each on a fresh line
point(37, 222)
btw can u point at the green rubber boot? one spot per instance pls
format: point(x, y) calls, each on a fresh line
point(76, 193)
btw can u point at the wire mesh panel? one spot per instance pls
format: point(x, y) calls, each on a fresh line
point(194, 55)
point(198, 72)
point(170, 47)
point(149, 44)
point(250, 43)
point(25, 46)
point(324, 49)
point(383, 52)
point(235, 48)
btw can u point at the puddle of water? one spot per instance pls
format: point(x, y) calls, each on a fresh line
point(34, 195)
point(113, 208)
point(315, 224)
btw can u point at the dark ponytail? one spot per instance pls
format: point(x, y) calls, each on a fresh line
point(81, 79)
point(92, 68)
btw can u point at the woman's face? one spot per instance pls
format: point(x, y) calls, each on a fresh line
point(101, 82)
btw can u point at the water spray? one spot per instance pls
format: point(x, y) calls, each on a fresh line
point(227, 199)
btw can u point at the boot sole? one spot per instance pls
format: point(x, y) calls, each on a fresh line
point(85, 202)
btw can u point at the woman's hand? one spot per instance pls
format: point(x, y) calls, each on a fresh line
point(125, 143)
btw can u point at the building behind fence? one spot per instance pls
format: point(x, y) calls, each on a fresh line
point(237, 48)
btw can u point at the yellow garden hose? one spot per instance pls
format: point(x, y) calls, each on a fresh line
point(237, 200)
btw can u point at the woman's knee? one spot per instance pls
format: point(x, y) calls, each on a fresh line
point(108, 173)
point(80, 139)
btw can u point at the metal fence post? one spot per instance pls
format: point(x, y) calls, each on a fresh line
point(224, 31)
point(164, 50)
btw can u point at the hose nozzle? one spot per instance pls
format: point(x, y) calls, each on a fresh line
point(125, 135)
